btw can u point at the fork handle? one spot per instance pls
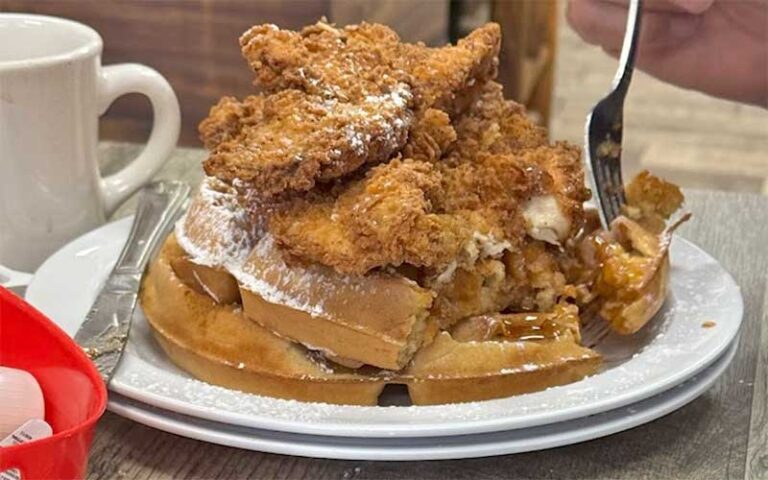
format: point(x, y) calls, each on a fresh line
point(629, 46)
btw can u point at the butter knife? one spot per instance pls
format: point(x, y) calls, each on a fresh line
point(104, 332)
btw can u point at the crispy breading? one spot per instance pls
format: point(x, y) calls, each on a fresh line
point(301, 139)
point(348, 63)
point(228, 118)
point(341, 98)
point(499, 185)
point(450, 77)
point(494, 125)
point(431, 135)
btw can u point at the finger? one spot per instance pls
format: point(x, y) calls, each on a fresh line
point(603, 23)
point(742, 77)
point(595, 21)
point(695, 7)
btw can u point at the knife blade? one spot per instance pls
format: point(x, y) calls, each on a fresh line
point(104, 332)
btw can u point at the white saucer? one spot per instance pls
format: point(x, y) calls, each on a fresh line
point(666, 353)
point(428, 448)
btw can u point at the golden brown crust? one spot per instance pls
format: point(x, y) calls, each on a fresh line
point(446, 78)
point(493, 125)
point(651, 201)
point(340, 98)
point(322, 60)
point(424, 214)
point(228, 118)
point(431, 135)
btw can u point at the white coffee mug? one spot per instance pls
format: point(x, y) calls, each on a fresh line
point(52, 91)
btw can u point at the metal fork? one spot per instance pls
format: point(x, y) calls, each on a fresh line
point(594, 332)
point(604, 129)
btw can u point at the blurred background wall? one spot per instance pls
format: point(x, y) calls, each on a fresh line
point(687, 137)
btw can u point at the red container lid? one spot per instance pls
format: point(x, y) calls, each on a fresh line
point(75, 395)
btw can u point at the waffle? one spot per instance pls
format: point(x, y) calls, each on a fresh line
point(218, 344)
point(346, 317)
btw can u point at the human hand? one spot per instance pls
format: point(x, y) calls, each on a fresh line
point(719, 47)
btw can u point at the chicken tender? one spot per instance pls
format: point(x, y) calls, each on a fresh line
point(339, 99)
point(300, 139)
point(369, 59)
point(383, 219)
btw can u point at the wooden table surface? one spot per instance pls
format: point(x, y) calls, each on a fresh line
point(721, 435)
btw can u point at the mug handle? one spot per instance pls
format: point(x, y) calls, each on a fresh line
point(117, 80)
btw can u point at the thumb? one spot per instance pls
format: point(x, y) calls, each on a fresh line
point(696, 7)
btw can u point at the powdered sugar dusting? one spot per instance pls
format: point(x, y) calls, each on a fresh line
point(217, 230)
point(299, 279)
point(381, 119)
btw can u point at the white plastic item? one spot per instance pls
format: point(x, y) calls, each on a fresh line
point(21, 400)
point(32, 430)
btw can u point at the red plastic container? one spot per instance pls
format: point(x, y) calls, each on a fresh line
point(75, 395)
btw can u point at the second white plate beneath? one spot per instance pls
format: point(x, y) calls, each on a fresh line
point(429, 448)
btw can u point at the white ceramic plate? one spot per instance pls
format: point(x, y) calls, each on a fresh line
point(428, 448)
point(673, 348)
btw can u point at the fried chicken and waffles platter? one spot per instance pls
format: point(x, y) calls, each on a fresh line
point(385, 247)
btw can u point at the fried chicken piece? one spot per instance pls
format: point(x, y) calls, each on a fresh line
point(300, 139)
point(503, 186)
point(449, 78)
point(493, 125)
point(496, 187)
point(343, 100)
point(383, 219)
point(513, 266)
point(347, 64)
point(358, 60)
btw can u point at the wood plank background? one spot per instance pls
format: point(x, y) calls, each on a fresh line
point(194, 43)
